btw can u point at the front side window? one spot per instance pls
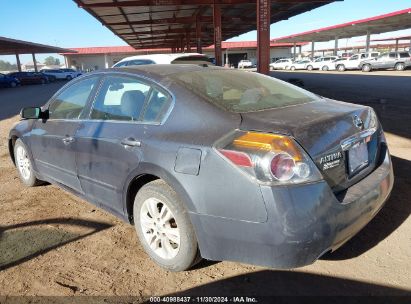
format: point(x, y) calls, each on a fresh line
point(120, 98)
point(70, 103)
point(237, 91)
point(393, 55)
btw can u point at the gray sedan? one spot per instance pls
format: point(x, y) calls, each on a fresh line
point(211, 163)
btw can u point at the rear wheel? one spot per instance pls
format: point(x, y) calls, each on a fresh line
point(13, 84)
point(292, 68)
point(42, 81)
point(164, 228)
point(400, 66)
point(366, 68)
point(325, 68)
point(24, 165)
point(310, 67)
point(341, 68)
point(69, 77)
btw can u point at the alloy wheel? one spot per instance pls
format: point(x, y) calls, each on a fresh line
point(23, 163)
point(160, 228)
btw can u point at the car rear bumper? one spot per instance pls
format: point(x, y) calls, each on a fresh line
point(303, 222)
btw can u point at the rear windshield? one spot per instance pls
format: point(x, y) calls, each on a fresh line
point(240, 92)
point(191, 60)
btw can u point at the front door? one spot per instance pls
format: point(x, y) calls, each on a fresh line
point(53, 141)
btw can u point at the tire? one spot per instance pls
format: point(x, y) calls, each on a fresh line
point(310, 68)
point(24, 165)
point(400, 66)
point(13, 84)
point(42, 81)
point(325, 68)
point(366, 68)
point(292, 68)
point(150, 201)
point(341, 68)
point(69, 78)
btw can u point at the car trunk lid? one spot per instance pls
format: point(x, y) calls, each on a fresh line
point(328, 130)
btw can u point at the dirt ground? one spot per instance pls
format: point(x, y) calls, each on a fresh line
point(54, 244)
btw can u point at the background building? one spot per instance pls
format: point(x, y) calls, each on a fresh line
point(94, 58)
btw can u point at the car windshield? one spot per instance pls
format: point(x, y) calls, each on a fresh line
point(240, 92)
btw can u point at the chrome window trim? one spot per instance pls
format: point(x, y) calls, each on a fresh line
point(347, 143)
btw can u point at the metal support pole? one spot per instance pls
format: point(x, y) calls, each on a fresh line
point(396, 45)
point(198, 35)
point(105, 61)
point(300, 51)
point(217, 34)
point(312, 50)
point(188, 45)
point(336, 46)
point(367, 42)
point(263, 36)
point(226, 58)
point(295, 51)
point(34, 62)
point(18, 62)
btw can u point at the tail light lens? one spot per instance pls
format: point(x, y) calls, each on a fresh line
point(270, 159)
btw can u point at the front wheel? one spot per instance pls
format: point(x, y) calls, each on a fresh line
point(310, 68)
point(366, 68)
point(24, 165)
point(164, 228)
point(13, 84)
point(341, 68)
point(325, 68)
point(292, 68)
point(69, 77)
point(400, 66)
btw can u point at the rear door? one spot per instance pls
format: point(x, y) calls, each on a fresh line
point(112, 140)
point(53, 142)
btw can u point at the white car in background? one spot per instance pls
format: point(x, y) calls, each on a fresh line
point(300, 65)
point(243, 64)
point(281, 64)
point(181, 58)
point(322, 63)
point(67, 74)
point(353, 63)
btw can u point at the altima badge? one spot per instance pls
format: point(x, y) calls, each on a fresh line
point(358, 122)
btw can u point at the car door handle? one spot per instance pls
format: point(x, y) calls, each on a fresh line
point(67, 140)
point(131, 142)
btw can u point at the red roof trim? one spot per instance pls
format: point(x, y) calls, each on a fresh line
point(338, 26)
point(129, 49)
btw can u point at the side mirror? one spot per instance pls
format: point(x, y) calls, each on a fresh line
point(30, 113)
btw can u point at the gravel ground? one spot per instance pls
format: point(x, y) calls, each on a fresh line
point(54, 244)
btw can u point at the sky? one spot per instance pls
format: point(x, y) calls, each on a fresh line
point(61, 23)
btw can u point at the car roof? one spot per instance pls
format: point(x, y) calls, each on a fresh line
point(162, 58)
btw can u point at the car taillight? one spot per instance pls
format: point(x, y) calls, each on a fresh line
point(270, 159)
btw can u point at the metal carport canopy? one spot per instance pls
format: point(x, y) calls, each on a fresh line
point(173, 23)
point(10, 46)
point(394, 21)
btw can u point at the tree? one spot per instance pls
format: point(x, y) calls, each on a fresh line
point(7, 66)
point(51, 61)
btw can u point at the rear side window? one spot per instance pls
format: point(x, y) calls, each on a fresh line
point(157, 107)
point(404, 55)
point(70, 103)
point(120, 98)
